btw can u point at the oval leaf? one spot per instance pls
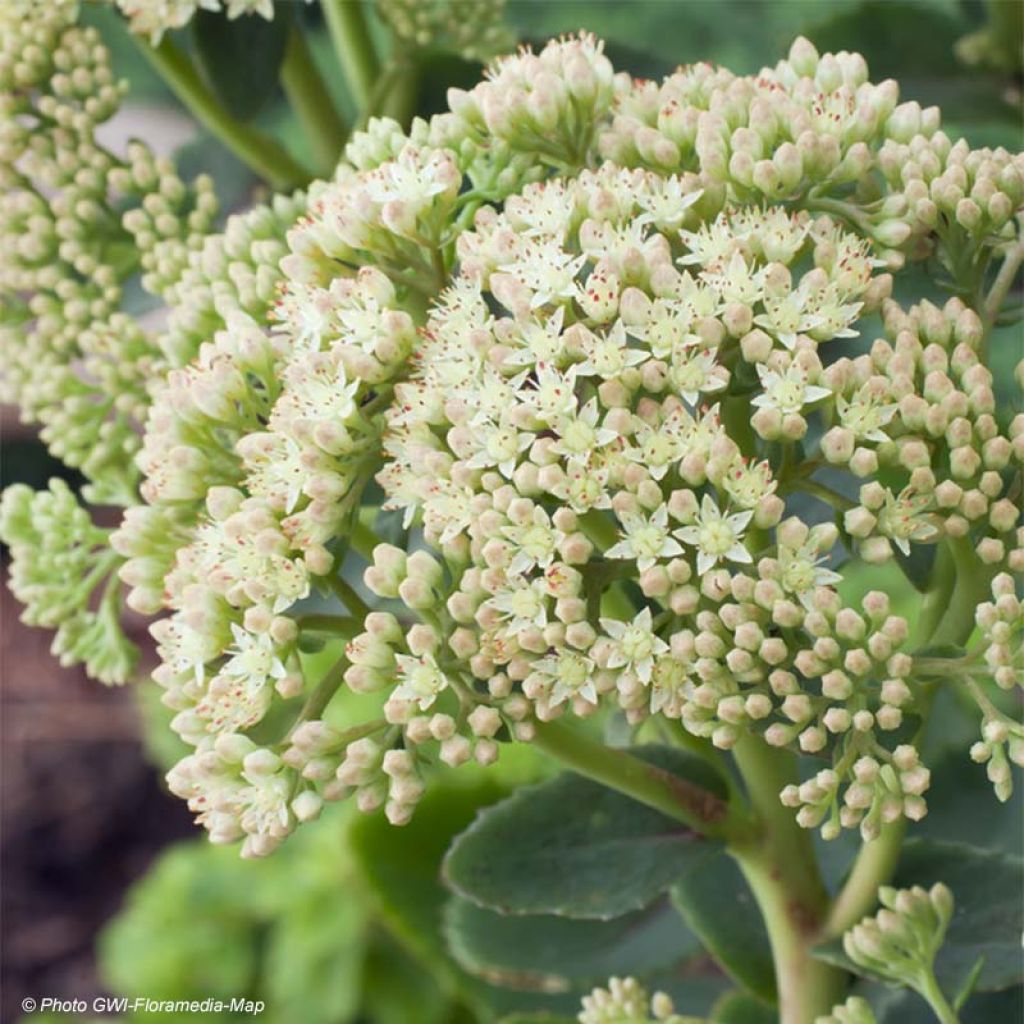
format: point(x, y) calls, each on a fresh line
point(542, 952)
point(575, 848)
point(240, 58)
point(719, 907)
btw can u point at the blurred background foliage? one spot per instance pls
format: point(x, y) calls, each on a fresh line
point(344, 925)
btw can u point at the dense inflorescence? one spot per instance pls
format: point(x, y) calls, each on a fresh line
point(617, 368)
point(153, 18)
point(81, 223)
point(624, 1000)
point(77, 222)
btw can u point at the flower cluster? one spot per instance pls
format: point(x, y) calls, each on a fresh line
point(1001, 622)
point(76, 221)
point(625, 1001)
point(571, 399)
point(59, 558)
point(155, 17)
point(900, 942)
point(473, 29)
point(856, 1010)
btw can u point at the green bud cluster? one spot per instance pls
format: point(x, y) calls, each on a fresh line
point(474, 29)
point(856, 1010)
point(900, 942)
point(625, 1001)
point(76, 222)
point(60, 559)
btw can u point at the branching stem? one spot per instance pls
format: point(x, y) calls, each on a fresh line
point(675, 797)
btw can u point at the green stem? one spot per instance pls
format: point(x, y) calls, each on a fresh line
point(1003, 282)
point(311, 101)
point(826, 494)
point(780, 866)
point(335, 625)
point(346, 22)
point(935, 998)
point(362, 539)
point(322, 693)
point(936, 601)
point(673, 796)
point(874, 866)
point(257, 151)
point(346, 593)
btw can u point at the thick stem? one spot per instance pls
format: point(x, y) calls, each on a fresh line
point(311, 101)
point(346, 22)
point(780, 866)
point(874, 866)
point(673, 796)
point(935, 998)
point(257, 151)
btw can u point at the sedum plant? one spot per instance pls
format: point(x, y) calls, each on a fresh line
point(561, 418)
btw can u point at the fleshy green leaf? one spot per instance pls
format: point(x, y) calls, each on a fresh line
point(396, 989)
point(240, 58)
point(401, 866)
point(546, 953)
point(536, 1018)
point(719, 907)
point(741, 1008)
point(572, 847)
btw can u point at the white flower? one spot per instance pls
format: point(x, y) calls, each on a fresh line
point(716, 535)
point(665, 202)
point(572, 674)
point(586, 486)
point(646, 539)
point(747, 483)
point(904, 518)
point(553, 394)
point(787, 392)
point(609, 355)
point(579, 434)
point(801, 571)
point(775, 233)
point(183, 649)
point(522, 604)
point(264, 805)
point(499, 444)
point(833, 315)
point(866, 415)
point(696, 371)
point(786, 316)
point(658, 447)
point(671, 686)
point(711, 245)
point(539, 343)
point(421, 679)
point(535, 542)
point(446, 509)
point(415, 176)
point(737, 282)
point(546, 269)
point(636, 644)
